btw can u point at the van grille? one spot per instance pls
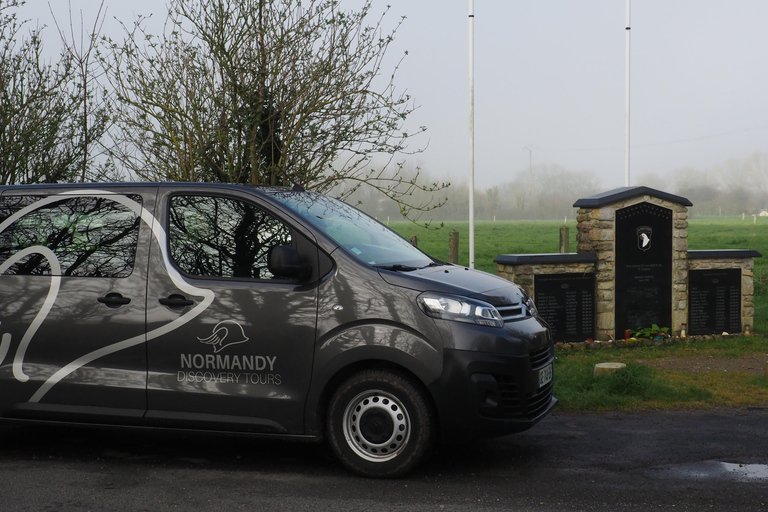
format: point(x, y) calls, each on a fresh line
point(512, 312)
point(539, 358)
point(516, 405)
point(515, 400)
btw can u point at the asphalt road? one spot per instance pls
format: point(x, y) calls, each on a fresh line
point(683, 460)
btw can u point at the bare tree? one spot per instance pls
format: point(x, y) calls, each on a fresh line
point(48, 126)
point(264, 92)
point(90, 104)
point(34, 128)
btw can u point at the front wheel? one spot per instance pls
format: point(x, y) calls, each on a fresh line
point(380, 424)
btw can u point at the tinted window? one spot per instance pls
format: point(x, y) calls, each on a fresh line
point(90, 236)
point(220, 237)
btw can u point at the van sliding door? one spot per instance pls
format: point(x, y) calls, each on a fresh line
point(230, 345)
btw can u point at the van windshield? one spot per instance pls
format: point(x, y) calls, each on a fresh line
point(363, 237)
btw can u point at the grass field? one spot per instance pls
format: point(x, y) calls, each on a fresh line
point(531, 237)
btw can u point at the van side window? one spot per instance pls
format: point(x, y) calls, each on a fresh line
point(221, 237)
point(90, 236)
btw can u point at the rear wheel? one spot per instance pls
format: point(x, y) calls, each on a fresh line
point(380, 424)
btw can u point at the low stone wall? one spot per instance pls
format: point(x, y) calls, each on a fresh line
point(521, 268)
point(732, 259)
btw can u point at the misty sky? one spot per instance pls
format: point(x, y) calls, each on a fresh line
point(550, 76)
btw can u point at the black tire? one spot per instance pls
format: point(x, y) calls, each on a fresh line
point(380, 424)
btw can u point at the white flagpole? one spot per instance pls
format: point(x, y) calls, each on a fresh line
point(626, 141)
point(471, 134)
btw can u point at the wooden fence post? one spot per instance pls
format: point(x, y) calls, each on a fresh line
point(453, 247)
point(565, 240)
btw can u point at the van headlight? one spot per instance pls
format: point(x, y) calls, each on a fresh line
point(530, 306)
point(459, 309)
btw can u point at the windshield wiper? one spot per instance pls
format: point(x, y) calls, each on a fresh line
point(397, 267)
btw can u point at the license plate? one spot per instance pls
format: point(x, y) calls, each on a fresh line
point(545, 375)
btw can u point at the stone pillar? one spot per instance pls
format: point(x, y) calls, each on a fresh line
point(596, 224)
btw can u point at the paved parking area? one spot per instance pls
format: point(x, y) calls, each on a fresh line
point(681, 460)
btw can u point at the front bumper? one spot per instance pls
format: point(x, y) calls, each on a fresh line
point(483, 394)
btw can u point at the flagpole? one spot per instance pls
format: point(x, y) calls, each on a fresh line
point(626, 138)
point(471, 134)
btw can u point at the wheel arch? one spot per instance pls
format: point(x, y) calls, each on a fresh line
point(356, 360)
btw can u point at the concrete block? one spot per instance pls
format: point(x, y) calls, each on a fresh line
point(608, 368)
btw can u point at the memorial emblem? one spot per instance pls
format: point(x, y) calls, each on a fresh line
point(644, 234)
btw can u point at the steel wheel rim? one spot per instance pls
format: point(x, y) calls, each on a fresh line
point(376, 426)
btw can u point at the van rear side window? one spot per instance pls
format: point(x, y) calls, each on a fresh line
point(89, 236)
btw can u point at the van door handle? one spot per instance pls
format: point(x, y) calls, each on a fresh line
point(114, 300)
point(175, 301)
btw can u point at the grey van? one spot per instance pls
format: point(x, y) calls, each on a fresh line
point(265, 311)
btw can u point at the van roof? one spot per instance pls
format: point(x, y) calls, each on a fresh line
point(161, 184)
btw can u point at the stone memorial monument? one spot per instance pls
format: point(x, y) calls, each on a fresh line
point(633, 269)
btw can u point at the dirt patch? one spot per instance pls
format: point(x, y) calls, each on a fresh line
point(754, 364)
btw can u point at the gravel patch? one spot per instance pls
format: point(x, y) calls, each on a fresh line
point(754, 364)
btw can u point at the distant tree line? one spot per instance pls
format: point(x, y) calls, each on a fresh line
point(544, 192)
point(739, 186)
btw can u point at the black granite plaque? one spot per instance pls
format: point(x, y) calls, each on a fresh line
point(714, 301)
point(567, 303)
point(643, 292)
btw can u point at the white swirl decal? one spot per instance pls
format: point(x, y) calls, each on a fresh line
point(53, 291)
point(160, 236)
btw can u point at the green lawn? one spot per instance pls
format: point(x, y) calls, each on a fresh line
point(717, 372)
point(491, 239)
point(530, 237)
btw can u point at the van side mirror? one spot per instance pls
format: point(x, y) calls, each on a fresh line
point(284, 261)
